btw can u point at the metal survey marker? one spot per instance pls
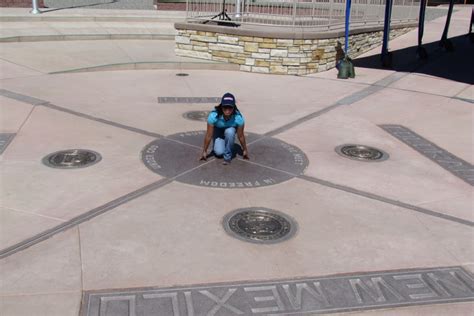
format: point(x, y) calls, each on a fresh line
point(259, 225)
point(361, 152)
point(72, 158)
point(197, 115)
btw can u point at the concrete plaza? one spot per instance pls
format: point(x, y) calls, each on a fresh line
point(84, 240)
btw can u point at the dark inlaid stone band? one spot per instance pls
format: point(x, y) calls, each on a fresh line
point(73, 222)
point(72, 158)
point(272, 161)
point(212, 100)
point(458, 167)
point(361, 153)
point(196, 115)
point(389, 289)
point(22, 97)
point(5, 139)
point(259, 225)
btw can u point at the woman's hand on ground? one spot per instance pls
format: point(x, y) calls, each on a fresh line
point(245, 155)
point(203, 157)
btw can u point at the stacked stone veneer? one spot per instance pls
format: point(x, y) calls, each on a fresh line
point(275, 55)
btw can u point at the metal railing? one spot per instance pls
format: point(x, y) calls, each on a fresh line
point(318, 14)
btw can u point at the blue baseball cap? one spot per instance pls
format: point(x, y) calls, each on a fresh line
point(228, 99)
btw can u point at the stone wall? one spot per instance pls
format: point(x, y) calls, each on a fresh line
point(275, 55)
point(19, 3)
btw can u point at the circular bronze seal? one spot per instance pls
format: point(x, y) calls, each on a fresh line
point(259, 225)
point(197, 115)
point(72, 158)
point(361, 152)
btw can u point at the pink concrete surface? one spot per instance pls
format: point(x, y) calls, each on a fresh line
point(174, 234)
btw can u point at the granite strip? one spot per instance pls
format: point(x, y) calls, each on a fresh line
point(455, 165)
point(387, 200)
point(305, 296)
point(5, 140)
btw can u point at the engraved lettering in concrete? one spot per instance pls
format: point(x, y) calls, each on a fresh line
point(458, 282)
point(107, 307)
point(5, 139)
point(212, 100)
point(189, 303)
point(296, 300)
point(194, 133)
point(150, 161)
point(303, 297)
point(458, 167)
point(246, 184)
point(172, 297)
point(274, 297)
point(152, 149)
point(373, 289)
point(421, 289)
point(269, 181)
point(298, 156)
point(221, 302)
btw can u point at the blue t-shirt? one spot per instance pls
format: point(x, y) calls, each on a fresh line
point(235, 120)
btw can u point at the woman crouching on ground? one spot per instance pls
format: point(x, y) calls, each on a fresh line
point(222, 125)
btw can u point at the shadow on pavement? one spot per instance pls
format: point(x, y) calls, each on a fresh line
point(457, 65)
point(47, 9)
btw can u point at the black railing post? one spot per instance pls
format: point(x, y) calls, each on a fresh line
point(386, 56)
point(445, 42)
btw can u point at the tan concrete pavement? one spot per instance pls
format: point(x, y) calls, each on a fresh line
point(406, 212)
point(87, 39)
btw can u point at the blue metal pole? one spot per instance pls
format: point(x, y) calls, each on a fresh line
point(386, 33)
point(346, 68)
point(348, 15)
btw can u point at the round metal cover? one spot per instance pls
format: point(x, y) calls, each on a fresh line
point(182, 74)
point(72, 158)
point(197, 115)
point(361, 152)
point(259, 225)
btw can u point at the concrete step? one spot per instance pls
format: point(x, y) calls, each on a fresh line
point(74, 18)
point(18, 25)
point(85, 37)
point(89, 15)
point(185, 65)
